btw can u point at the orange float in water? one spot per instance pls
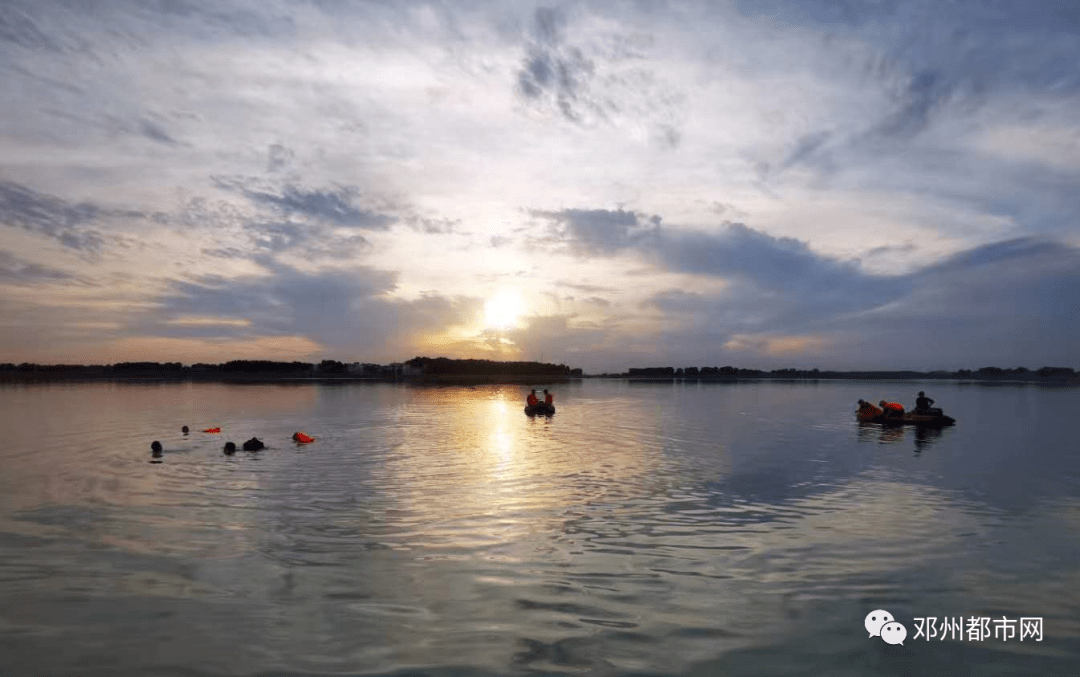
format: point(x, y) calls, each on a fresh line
point(302, 438)
point(212, 430)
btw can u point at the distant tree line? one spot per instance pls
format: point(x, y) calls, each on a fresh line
point(730, 373)
point(443, 366)
point(439, 366)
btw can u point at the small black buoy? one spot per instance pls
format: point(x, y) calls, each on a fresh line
point(253, 445)
point(184, 430)
point(230, 448)
point(155, 447)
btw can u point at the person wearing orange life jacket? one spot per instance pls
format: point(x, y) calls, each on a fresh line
point(868, 411)
point(548, 399)
point(892, 409)
point(532, 401)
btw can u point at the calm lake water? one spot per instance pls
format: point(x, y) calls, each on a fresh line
point(645, 529)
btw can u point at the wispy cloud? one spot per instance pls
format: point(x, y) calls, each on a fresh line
point(16, 271)
point(332, 205)
point(51, 216)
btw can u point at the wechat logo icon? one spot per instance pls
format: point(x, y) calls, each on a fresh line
point(880, 623)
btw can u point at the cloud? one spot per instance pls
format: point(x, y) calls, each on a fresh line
point(432, 226)
point(20, 27)
point(345, 312)
point(559, 341)
point(924, 93)
point(995, 254)
point(588, 288)
point(738, 253)
point(806, 147)
point(286, 302)
point(334, 205)
point(599, 81)
point(16, 271)
point(552, 71)
point(154, 132)
point(600, 232)
point(278, 157)
point(784, 298)
point(777, 346)
point(1016, 298)
point(778, 263)
point(52, 216)
point(311, 239)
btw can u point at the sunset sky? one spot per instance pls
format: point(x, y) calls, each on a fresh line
point(814, 183)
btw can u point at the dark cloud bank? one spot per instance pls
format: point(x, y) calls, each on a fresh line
point(1015, 300)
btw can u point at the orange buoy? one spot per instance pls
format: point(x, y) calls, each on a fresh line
point(302, 438)
point(212, 430)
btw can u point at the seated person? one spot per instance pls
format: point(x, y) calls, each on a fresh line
point(892, 409)
point(548, 399)
point(922, 402)
point(532, 401)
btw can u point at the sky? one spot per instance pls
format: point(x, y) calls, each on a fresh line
point(886, 184)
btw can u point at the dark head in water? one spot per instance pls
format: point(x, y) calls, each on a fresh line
point(230, 448)
point(155, 447)
point(253, 445)
point(184, 430)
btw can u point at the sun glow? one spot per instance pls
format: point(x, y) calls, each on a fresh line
point(502, 311)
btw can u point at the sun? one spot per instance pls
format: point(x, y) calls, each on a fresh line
point(502, 310)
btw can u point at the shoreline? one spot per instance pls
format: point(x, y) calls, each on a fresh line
point(523, 380)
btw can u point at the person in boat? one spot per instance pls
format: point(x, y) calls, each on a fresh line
point(922, 402)
point(548, 399)
point(891, 409)
point(532, 401)
point(867, 411)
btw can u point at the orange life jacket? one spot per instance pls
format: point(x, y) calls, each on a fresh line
point(548, 399)
point(894, 406)
point(212, 430)
point(302, 438)
point(532, 400)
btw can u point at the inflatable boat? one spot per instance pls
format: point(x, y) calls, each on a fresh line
point(930, 418)
point(540, 409)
